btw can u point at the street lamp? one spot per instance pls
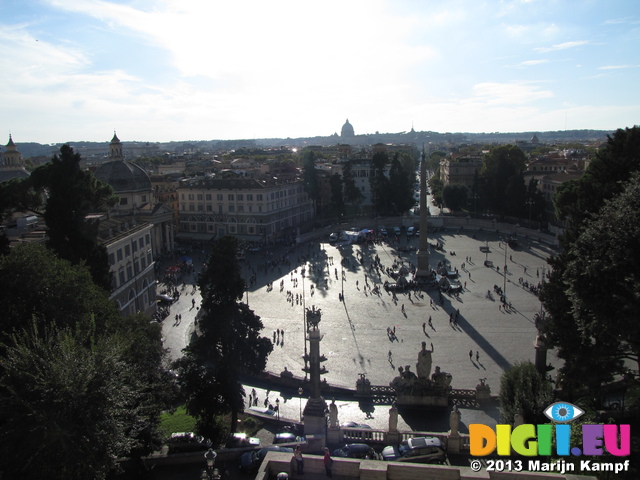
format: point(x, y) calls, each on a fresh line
point(278, 408)
point(300, 396)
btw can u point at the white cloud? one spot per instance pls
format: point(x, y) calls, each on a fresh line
point(492, 93)
point(562, 46)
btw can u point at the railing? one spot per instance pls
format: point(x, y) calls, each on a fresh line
point(364, 435)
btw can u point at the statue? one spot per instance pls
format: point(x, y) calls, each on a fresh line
point(454, 421)
point(393, 418)
point(333, 414)
point(518, 420)
point(424, 362)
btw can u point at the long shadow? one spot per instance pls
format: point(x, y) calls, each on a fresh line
point(483, 343)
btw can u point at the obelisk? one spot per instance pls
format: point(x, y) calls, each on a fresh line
point(424, 271)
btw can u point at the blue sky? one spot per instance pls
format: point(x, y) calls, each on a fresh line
point(160, 70)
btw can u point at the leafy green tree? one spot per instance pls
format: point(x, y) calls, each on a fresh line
point(380, 188)
point(352, 193)
point(311, 184)
point(46, 299)
point(230, 343)
point(39, 287)
point(401, 181)
point(337, 205)
point(436, 186)
point(576, 200)
point(591, 356)
point(524, 390)
point(502, 170)
point(455, 196)
point(65, 410)
point(69, 194)
point(601, 278)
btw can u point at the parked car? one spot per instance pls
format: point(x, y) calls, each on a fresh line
point(333, 237)
point(187, 442)
point(416, 450)
point(262, 411)
point(287, 437)
point(397, 231)
point(252, 460)
point(356, 450)
point(355, 425)
point(164, 298)
point(411, 231)
point(238, 440)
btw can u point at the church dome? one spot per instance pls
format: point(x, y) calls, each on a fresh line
point(347, 130)
point(123, 176)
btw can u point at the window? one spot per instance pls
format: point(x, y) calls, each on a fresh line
point(192, 207)
point(127, 251)
point(147, 239)
point(250, 197)
point(144, 198)
point(207, 196)
point(230, 197)
point(136, 266)
point(231, 209)
point(240, 197)
point(209, 207)
point(143, 262)
point(141, 243)
point(119, 254)
point(123, 201)
point(200, 196)
point(259, 197)
point(240, 209)
point(191, 197)
point(219, 197)
point(129, 271)
point(112, 259)
point(134, 246)
point(121, 276)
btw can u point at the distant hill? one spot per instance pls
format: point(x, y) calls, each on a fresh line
point(134, 149)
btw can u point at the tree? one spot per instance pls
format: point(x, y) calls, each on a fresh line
point(69, 195)
point(601, 276)
point(352, 193)
point(337, 198)
point(601, 338)
point(455, 196)
point(577, 200)
point(311, 185)
point(524, 390)
point(502, 170)
point(380, 188)
point(39, 287)
point(64, 408)
point(53, 310)
point(401, 181)
point(229, 345)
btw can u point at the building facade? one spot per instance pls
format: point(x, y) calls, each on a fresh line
point(260, 210)
point(131, 262)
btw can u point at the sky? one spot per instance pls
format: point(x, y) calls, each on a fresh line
point(170, 70)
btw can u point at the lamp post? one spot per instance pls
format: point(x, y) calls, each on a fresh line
point(278, 408)
point(300, 396)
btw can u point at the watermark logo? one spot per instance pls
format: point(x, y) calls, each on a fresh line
point(532, 440)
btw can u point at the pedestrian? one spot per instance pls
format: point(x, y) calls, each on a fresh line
point(328, 462)
point(471, 355)
point(430, 323)
point(424, 327)
point(402, 308)
point(477, 356)
point(469, 275)
point(297, 454)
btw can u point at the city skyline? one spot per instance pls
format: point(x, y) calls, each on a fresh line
point(195, 70)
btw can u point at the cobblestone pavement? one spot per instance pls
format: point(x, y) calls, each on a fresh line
point(354, 332)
